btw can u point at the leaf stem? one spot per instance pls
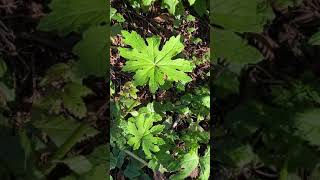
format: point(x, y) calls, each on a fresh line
point(67, 145)
point(136, 157)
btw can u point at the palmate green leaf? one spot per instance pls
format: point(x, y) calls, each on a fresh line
point(74, 15)
point(189, 162)
point(93, 52)
point(144, 134)
point(234, 49)
point(152, 65)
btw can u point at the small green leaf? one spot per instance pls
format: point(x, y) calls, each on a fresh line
point(144, 134)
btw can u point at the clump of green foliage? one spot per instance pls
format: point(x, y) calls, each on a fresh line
point(146, 135)
point(263, 124)
point(59, 115)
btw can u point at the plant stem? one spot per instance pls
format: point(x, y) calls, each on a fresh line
point(136, 157)
point(68, 144)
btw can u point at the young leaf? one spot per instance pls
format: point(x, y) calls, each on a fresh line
point(144, 134)
point(151, 64)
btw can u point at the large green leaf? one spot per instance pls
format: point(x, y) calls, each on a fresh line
point(151, 64)
point(74, 15)
point(93, 52)
point(237, 15)
point(58, 128)
point(233, 48)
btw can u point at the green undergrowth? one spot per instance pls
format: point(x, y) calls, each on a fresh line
point(267, 123)
point(158, 136)
point(60, 120)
